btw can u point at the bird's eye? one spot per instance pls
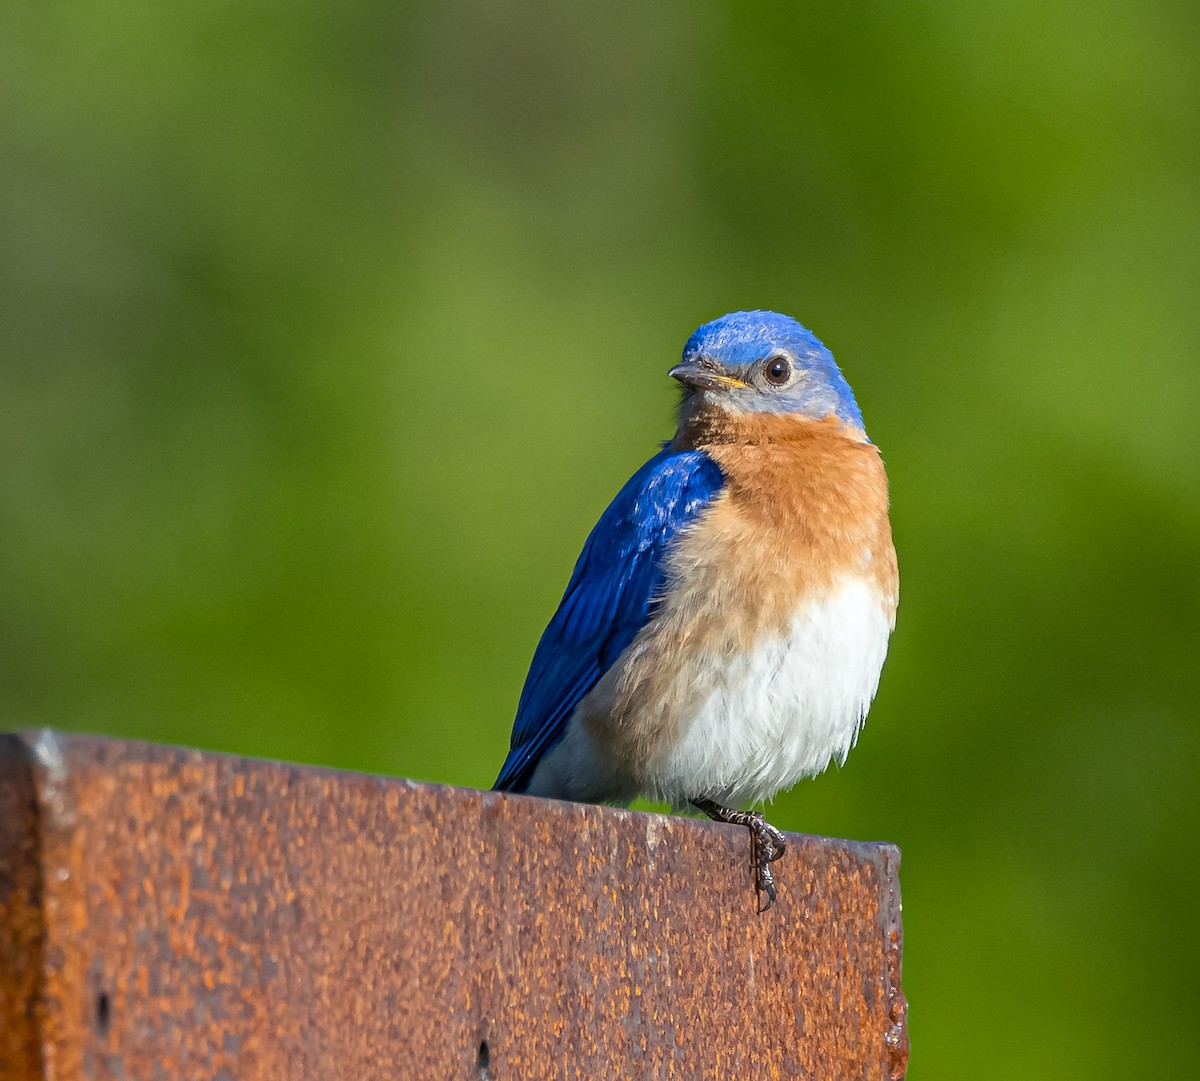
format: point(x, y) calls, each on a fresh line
point(777, 371)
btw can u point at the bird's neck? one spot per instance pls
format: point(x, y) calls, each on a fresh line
point(700, 428)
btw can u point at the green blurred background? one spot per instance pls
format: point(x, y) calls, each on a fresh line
point(329, 329)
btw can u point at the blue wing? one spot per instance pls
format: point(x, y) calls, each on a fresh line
point(608, 600)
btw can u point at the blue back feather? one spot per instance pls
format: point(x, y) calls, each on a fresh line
point(609, 598)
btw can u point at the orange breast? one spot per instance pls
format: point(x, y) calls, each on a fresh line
point(805, 503)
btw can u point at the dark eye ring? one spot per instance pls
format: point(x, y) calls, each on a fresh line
point(777, 370)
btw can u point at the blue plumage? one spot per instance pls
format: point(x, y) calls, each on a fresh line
point(610, 596)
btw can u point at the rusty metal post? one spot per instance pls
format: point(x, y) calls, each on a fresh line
point(171, 914)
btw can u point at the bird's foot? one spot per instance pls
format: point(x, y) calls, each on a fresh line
point(767, 844)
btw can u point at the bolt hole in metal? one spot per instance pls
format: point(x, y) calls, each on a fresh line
point(103, 1012)
point(483, 1060)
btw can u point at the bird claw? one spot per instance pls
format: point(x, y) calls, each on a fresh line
point(764, 883)
point(767, 844)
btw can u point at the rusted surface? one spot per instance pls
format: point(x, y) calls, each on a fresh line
point(21, 924)
point(174, 914)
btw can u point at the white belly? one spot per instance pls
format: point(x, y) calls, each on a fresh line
point(782, 710)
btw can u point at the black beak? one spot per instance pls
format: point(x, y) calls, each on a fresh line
point(692, 373)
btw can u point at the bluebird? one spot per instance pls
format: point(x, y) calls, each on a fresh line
point(725, 626)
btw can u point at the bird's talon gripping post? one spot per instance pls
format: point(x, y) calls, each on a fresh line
point(767, 843)
point(766, 884)
point(764, 880)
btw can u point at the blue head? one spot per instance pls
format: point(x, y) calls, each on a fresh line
point(763, 362)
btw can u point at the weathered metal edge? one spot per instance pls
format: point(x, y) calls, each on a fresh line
point(50, 748)
point(22, 914)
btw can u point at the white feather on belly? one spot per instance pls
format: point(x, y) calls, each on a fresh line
point(784, 709)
